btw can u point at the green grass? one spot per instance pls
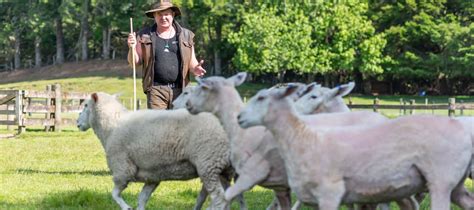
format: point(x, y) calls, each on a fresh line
point(68, 170)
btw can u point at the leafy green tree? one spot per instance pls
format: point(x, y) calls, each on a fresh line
point(429, 43)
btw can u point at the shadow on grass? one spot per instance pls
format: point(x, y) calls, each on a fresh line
point(86, 172)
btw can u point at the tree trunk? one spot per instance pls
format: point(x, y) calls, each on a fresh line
point(17, 48)
point(59, 40)
point(106, 42)
point(85, 30)
point(217, 54)
point(37, 51)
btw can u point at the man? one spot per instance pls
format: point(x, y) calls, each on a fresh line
point(166, 53)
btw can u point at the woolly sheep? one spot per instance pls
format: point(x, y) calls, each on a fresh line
point(255, 161)
point(151, 146)
point(317, 99)
point(407, 155)
point(180, 103)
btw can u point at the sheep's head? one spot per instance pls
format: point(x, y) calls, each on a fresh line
point(83, 122)
point(263, 107)
point(180, 102)
point(320, 99)
point(211, 92)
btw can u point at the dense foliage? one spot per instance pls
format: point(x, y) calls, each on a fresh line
point(408, 45)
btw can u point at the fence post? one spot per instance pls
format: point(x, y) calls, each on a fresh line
point(9, 116)
point(19, 111)
point(350, 102)
point(376, 104)
point(47, 128)
point(426, 104)
point(412, 110)
point(451, 107)
point(57, 111)
point(139, 103)
point(401, 107)
point(461, 109)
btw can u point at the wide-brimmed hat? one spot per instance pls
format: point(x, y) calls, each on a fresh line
point(163, 5)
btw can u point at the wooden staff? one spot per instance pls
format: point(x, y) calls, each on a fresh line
point(134, 71)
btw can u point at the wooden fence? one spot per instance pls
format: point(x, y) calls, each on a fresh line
point(409, 107)
point(22, 108)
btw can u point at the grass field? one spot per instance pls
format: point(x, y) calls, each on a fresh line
point(67, 170)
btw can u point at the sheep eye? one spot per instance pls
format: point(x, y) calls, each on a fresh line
point(314, 97)
point(185, 93)
point(260, 98)
point(85, 105)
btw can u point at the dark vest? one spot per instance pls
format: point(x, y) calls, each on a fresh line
point(185, 39)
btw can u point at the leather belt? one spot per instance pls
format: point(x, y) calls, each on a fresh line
point(171, 85)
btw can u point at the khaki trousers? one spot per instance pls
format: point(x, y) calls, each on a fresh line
point(162, 97)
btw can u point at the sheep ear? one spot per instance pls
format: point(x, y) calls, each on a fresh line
point(202, 83)
point(345, 89)
point(340, 91)
point(288, 91)
point(309, 88)
point(95, 97)
point(238, 79)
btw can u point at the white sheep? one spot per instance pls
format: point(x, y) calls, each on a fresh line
point(317, 99)
point(255, 161)
point(219, 96)
point(332, 165)
point(151, 146)
point(180, 103)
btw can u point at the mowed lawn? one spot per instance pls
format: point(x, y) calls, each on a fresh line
point(67, 170)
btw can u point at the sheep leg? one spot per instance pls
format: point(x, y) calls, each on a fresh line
point(462, 197)
point(240, 197)
point(383, 206)
point(408, 203)
point(297, 205)
point(283, 199)
point(201, 198)
point(116, 195)
point(254, 171)
point(213, 186)
point(440, 198)
point(329, 194)
point(145, 194)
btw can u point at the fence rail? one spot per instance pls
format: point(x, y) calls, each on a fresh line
point(19, 105)
point(451, 106)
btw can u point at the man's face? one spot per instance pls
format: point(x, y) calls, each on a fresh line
point(164, 18)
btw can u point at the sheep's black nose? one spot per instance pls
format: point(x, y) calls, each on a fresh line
point(238, 117)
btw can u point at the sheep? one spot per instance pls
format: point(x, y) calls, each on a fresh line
point(219, 96)
point(317, 99)
point(151, 146)
point(180, 103)
point(407, 155)
point(468, 123)
point(320, 99)
point(255, 161)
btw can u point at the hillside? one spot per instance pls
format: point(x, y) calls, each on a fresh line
point(101, 68)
